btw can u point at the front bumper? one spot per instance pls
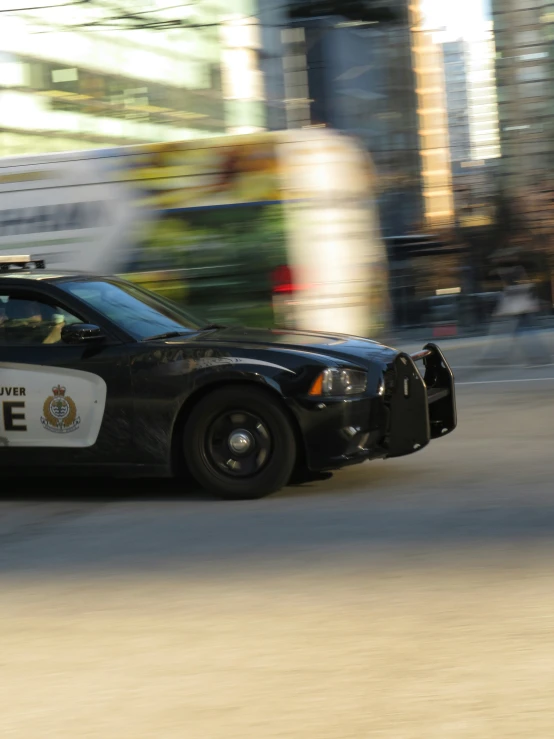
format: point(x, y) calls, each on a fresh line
point(420, 408)
point(413, 410)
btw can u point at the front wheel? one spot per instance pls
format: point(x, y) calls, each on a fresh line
point(239, 444)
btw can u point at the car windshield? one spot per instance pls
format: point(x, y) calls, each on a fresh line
point(139, 313)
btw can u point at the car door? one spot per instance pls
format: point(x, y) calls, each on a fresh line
point(60, 404)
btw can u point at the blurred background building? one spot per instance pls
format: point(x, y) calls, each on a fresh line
point(84, 75)
point(482, 96)
point(453, 100)
point(434, 142)
point(524, 35)
point(384, 83)
point(359, 79)
point(457, 99)
point(473, 123)
point(525, 71)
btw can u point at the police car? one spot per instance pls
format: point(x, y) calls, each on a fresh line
point(101, 376)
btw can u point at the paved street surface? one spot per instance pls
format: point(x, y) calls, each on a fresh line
point(409, 599)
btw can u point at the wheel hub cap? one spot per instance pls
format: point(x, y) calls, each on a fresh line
point(240, 441)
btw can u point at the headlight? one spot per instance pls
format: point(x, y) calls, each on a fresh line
point(339, 382)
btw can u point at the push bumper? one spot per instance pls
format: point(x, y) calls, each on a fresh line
point(421, 405)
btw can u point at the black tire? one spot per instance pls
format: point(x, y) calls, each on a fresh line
point(207, 441)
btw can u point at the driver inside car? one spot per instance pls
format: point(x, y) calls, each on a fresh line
point(25, 323)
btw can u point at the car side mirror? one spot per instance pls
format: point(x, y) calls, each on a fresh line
point(79, 333)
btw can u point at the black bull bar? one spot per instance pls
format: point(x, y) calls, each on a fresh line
point(422, 405)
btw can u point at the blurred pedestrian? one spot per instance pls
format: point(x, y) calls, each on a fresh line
point(517, 312)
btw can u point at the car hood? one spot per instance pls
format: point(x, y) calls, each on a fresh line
point(305, 342)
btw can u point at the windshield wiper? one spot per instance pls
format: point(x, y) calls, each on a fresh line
point(175, 334)
point(213, 327)
point(168, 335)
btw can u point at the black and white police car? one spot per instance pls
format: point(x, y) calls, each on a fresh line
point(100, 376)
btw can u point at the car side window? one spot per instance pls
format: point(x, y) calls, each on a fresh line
point(28, 322)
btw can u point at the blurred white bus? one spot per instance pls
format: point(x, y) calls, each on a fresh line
point(269, 228)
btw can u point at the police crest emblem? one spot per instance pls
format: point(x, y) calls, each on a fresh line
point(60, 412)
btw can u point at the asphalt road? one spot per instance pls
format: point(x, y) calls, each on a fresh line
point(403, 599)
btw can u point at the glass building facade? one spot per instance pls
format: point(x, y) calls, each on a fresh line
point(359, 80)
point(85, 76)
point(524, 34)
